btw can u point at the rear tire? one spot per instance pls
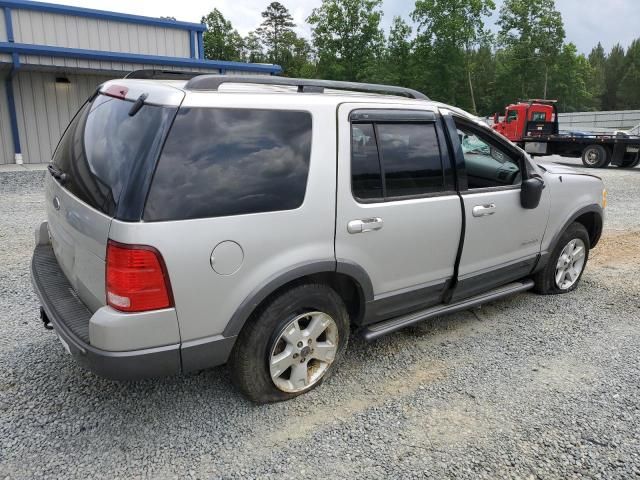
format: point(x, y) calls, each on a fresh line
point(279, 354)
point(567, 262)
point(596, 156)
point(630, 161)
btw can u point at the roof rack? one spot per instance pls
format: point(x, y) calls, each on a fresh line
point(150, 74)
point(213, 82)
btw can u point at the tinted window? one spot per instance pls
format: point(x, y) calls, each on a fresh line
point(410, 159)
point(487, 165)
point(366, 179)
point(104, 145)
point(512, 115)
point(538, 117)
point(220, 161)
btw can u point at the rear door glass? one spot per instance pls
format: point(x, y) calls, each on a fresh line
point(103, 145)
point(411, 159)
point(223, 161)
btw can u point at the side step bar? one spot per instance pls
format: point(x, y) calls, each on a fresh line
point(387, 326)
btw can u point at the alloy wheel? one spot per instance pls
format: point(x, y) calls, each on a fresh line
point(303, 352)
point(570, 264)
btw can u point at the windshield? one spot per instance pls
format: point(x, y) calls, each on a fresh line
point(104, 147)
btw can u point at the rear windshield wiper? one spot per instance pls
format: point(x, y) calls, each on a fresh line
point(57, 173)
point(138, 104)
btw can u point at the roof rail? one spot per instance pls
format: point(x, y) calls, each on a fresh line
point(213, 82)
point(152, 74)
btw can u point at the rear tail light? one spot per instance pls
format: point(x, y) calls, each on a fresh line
point(136, 278)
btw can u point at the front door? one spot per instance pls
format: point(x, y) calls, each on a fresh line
point(511, 125)
point(502, 240)
point(398, 215)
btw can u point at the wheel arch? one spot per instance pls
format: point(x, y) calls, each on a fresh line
point(591, 216)
point(348, 279)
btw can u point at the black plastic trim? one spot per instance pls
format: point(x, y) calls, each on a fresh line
point(213, 82)
point(251, 302)
point(383, 328)
point(476, 284)
point(396, 304)
point(128, 365)
point(593, 208)
point(206, 352)
point(390, 115)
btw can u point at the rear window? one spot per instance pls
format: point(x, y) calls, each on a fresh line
point(104, 147)
point(222, 161)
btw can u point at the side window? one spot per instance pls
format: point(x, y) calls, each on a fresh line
point(538, 117)
point(487, 164)
point(231, 161)
point(411, 159)
point(512, 116)
point(366, 178)
point(391, 160)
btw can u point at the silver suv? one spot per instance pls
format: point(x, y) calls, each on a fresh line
point(259, 221)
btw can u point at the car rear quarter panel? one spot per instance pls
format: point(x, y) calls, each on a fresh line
point(271, 242)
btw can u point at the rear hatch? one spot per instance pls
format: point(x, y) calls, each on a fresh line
point(101, 170)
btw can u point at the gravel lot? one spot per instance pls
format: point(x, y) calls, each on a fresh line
point(528, 387)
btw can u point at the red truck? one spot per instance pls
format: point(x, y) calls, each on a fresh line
point(533, 125)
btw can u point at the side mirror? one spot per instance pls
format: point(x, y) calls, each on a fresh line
point(531, 192)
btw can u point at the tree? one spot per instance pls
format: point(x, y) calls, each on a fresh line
point(252, 51)
point(571, 73)
point(298, 57)
point(629, 88)
point(614, 71)
point(396, 67)
point(347, 38)
point(221, 40)
point(275, 30)
point(596, 85)
point(534, 32)
point(483, 68)
point(451, 28)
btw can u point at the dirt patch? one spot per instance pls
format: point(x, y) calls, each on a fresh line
point(617, 248)
point(360, 399)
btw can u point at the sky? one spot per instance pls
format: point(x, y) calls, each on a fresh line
point(587, 22)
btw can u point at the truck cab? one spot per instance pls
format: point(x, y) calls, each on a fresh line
point(527, 119)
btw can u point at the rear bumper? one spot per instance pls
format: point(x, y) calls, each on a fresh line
point(70, 319)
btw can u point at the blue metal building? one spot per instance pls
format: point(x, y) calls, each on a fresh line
point(52, 57)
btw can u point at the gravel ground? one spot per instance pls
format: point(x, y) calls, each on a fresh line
point(527, 387)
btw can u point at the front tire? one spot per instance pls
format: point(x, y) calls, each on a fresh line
point(290, 345)
point(596, 156)
point(567, 262)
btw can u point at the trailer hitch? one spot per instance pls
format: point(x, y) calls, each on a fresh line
point(45, 319)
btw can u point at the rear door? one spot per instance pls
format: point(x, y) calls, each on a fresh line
point(99, 167)
point(398, 215)
point(502, 240)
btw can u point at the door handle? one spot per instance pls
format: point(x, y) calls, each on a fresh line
point(484, 210)
point(365, 225)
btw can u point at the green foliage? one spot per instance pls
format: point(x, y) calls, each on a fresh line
point(448, 30)
point(221, 40)
point(571, 73)
point(533, 33)
point(347, 38)
point(276, 31)
point(629, 88)
point(614, 71)
point(253, 51)
point(596, 82)
point(452, 57)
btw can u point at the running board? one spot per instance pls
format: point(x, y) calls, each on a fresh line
point(387, 326)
